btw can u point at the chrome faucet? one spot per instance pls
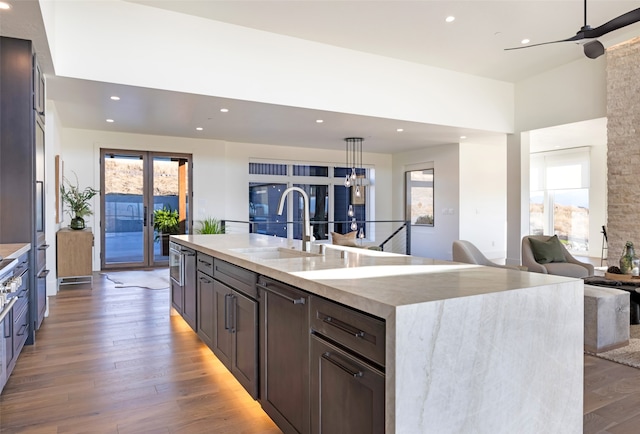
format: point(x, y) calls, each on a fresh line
point(306, 222)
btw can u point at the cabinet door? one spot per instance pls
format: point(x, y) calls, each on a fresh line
point(284, 355)
point(206, 315)
point(347, 395)
point(245, 342)
point(177, 297)
point(190, 292)
point(222, 342)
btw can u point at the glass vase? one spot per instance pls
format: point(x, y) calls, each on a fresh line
point(628, 256)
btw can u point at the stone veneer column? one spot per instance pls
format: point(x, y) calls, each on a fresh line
point(623, 148)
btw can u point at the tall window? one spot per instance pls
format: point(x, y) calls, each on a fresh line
point(329, 199)
point(559, 197)
point(419, 197)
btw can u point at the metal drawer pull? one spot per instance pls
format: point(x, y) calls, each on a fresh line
point(344, 327)
point(204, 262)
point(300, 300)
point(202, 279)
point(23, 329)
point(356, 374)
point(226, 311)
point(43, 247)
point(43, 273)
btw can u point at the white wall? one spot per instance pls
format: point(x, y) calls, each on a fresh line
point(220, 170)
point(483, 197)
point(53, 147)
point(432, 242)
point(156, 48)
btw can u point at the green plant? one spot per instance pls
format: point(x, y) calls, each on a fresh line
point(77, 200)
point(210, 225)
point(165, 221)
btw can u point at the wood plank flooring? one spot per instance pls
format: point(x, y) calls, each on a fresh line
point(113, 360)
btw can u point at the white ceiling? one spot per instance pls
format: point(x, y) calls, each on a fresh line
point(408, 30)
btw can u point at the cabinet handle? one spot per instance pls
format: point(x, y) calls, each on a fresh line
point(7, 330)
point(43, 247)
point(22, 330)
point(203, 279)
point(204, 262)
point(343, 326)
point(300, 300)
point(43, 273)
point(354, 374)
point(22, 293)
point(226, 311)
point(232, 313)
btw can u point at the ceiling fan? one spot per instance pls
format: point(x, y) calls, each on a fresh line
point(594, 49)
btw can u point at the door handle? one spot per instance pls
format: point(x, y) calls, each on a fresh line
point(144, 217)
point(350, 372)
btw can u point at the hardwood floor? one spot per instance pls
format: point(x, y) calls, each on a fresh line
point(112, 360)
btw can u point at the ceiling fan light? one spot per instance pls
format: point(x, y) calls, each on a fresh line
point(593, 49)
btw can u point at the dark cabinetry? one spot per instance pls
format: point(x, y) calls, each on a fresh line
point(347, 378)
point(284, 355)
point(190, 291)
point(22, 166)
point(16, 325)
point(235, 338)
point(228, 317)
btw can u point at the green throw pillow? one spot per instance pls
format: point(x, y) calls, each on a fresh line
point(547, 251)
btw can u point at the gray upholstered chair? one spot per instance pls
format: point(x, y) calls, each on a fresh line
point(466, 252)
point(570, 268)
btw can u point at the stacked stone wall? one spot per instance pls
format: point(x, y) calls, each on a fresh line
point(623, 148)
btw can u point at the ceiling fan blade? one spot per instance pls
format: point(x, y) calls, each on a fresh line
point(573, 38)
point(587, 32)
point(623, 20)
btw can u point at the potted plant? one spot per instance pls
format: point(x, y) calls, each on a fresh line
point(77, 201)
point(165, 223)
point(210, 225)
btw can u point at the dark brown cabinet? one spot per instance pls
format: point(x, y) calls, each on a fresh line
point(22, 166)
point(206, 316)
point(190, 309)
point(235, 338)
point(284, 355)
point(347, 394)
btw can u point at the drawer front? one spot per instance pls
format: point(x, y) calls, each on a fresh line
point(23, 265)
point(22, 294)
point(237, 278)
point(20, 328)
point(359, 332)
point(205, 263)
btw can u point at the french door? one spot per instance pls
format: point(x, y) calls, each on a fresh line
point(135, 184)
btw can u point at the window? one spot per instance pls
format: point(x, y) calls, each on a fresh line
point(419, 197)
point(329, 199)
point(559, 197)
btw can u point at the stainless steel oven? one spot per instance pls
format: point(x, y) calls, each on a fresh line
point(176, 263)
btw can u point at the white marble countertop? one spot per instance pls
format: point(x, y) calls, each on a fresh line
point(374, 282)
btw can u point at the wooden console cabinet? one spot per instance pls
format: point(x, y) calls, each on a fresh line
point(74, 253)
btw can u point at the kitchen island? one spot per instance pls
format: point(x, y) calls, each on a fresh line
point(466, 348)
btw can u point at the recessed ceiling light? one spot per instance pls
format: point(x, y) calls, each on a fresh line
point(400, 130)
point(450, 19)
point(224, 110)
point(199, 128)
point(525, 41)
point(5, 6)
point(115, 98)
point(110, 120)
point(463, 137)
point(319, 121)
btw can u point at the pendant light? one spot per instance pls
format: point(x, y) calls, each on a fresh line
point(353, 147)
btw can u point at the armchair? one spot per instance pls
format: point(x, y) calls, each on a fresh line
point(466, 252)
point(570, 267)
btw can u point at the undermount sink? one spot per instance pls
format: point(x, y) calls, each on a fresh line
point(273, 253)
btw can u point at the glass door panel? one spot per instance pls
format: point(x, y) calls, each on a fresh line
point(135, 184)
point(123, 212)
point(263, 209)
point(318, 210)
point(170, 191)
